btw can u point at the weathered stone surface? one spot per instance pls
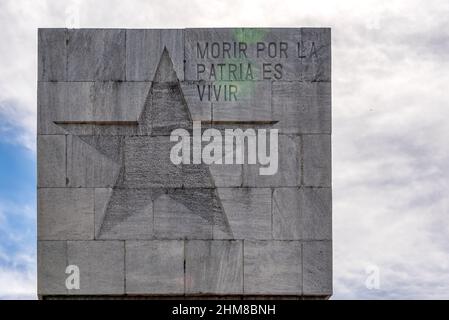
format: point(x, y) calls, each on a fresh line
point(102, 197)
point(315, 54)
point(248, 211)
point(270, 42)
point(168, 110)
point(317, 213)
point(80, 171)
point(302, 214)
point(200, 110)
point(147, 163)
point(229, 101)
point(124, 213)
point(165, 108)
point(154, 213)
point(252, 103)
point(101, 129)
point(199, 209)
point(168, 211)
point(272, 267)
point(226, 175)
point(173, 41)
point(108, 101)
point(317, 256)
point(214, 267)
point(287, 214)
point(87, 166)
point(302, 107)
point(119, 101)
point(63, 101)
point(192, 58)
point(51, 266)
point(52, 55)
point(51, 160)
point(65, 214)
point(289, 166)
point(101, 265)
point(154, 267)
point(89, 101)
point(108, 159)
point(108, 146)
point(96, 54)
point(317, 160)
point(144, 48)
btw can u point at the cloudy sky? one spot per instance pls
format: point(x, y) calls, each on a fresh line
point(390, 132)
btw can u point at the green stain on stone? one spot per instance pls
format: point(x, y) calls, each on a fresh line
point(244, 87)
point(249, 35)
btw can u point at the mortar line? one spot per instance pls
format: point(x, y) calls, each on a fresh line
point(66, 161)
point(272, 200)
point(126, 55)
point(184, 264)
point(67, 260)
point(184, 54)
point(301, 159)
point(124, 267)
point(95, 207)
point(66, 54)
point(302, 268)
point(243, 266)
point(152, 209)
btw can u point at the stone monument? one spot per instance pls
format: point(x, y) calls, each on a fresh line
point(184, 163)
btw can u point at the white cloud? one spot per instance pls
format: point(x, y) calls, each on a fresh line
point(17, 251)
point(390, 105)
point(17, 284)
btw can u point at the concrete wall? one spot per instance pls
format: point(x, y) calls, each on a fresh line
point(111, 202)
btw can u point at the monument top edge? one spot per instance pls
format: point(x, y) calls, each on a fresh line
point(200, 28)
